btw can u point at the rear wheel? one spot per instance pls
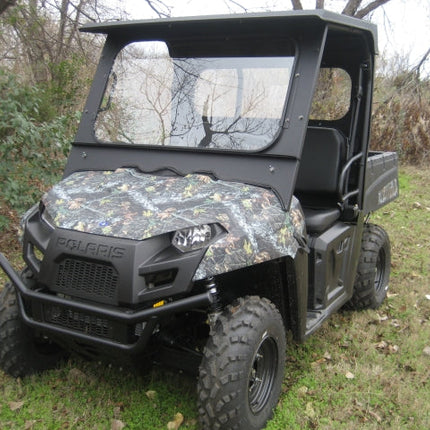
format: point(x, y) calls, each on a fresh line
point(373, 272)
point(21, 352)
point(243, 365)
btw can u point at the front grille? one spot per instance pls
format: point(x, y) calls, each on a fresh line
point(78, 321)
point(87, 279)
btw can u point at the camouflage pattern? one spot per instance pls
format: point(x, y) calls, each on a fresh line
point(133, 205)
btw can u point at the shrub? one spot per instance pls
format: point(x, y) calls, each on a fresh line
point(33, 143)
point(401, 116)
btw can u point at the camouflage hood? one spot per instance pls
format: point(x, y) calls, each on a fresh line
point(133, 205)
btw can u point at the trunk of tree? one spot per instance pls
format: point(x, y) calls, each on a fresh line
point(47, 33)
point(4, 4)
point(31, 29)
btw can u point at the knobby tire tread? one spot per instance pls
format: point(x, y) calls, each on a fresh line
point(365, 295)
point(18, 354)
point(223, 369)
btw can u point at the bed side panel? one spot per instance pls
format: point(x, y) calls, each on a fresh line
point(381, 183)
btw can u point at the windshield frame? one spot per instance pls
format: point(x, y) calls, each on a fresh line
point(274, 167)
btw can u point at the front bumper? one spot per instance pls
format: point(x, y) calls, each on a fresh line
point(94, 324)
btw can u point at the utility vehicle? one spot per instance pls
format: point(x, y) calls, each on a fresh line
point(217, 196)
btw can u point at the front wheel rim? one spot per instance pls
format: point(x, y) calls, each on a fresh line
point(380, 272)
point(262, 374)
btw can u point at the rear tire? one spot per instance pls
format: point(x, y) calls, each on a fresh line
point(21, 352)
point(243, 366)
point(373, 271)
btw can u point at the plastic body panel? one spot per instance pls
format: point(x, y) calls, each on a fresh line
point(38, 309)
point(381, 181)
point(107, 270)
point(332, 252)
point(332, 268)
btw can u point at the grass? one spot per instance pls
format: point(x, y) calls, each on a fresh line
point(365, 370)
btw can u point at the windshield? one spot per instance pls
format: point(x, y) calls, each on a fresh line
point(232, 103)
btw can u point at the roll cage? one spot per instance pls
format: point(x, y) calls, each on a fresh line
point(320, 39)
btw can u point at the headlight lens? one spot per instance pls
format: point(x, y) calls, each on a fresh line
point(47, 219)
point(192, 238)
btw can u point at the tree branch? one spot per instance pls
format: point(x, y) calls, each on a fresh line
point(369, 8)
point(155, 5)
point(80, 11)
point(351, 7)
point(417, 68)
point(238, 5)
point(297, 4)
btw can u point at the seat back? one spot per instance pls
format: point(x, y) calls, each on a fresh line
point(322, 159)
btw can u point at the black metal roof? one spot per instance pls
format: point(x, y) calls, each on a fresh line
point(266, 23)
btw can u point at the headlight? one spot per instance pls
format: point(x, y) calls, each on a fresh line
point(192, 238)
point(46, 218)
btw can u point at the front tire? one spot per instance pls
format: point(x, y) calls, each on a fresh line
point(373, 271)
point(21, 352)
point(242, 369)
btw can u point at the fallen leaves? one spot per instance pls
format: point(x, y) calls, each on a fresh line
point(29, 424)
point(310, 411)
point(78, 377)
point(324, 359)
point(418, 205)
point(349, 375)
point(117, 425)
point(366, 411)
point(302, 391)
point(387, 347)
point(152, 395)
point(382, 317)
point(14, 406)
point(374, 415)
point(176, 423)
point(327, 358)
point(117, 410)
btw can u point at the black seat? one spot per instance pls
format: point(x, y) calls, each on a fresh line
point(318, 220)
point(317, 185)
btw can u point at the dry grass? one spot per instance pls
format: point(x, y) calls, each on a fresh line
point(401, 117)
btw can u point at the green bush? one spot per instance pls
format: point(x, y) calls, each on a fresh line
point(33, 142)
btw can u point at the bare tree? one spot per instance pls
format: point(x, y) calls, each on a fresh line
point(41, 34)
point(353, 8)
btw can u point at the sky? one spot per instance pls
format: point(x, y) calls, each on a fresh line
point(403, 25)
